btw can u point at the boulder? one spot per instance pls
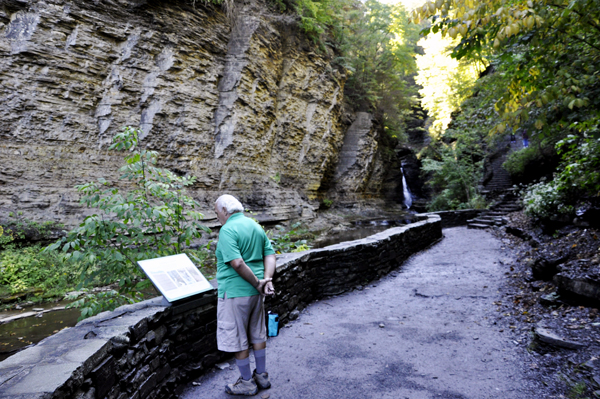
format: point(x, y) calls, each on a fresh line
point(545, 336)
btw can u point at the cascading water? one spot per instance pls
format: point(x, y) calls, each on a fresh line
point(406, 191)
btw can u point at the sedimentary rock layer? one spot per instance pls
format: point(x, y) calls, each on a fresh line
point(245, 103)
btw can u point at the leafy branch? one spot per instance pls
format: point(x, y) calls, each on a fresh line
point(153, 217)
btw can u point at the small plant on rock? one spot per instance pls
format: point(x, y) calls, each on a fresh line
point(283, 241)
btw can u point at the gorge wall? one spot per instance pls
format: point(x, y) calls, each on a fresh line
point(246, 104)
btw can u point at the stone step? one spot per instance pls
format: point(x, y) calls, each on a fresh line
point(486, 218)
point(497, 187)
point(477, 226)
point(508, 209)
point(508, 205)
point(483, 221)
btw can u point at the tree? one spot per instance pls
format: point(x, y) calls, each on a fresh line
point(153, 218)
point(445, 82)
point(377, 44)
point(551, 49)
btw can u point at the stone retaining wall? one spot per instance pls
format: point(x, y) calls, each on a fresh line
point(457, 218)
point(152, 348)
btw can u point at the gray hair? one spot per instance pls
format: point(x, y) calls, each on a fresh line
point(230, 203)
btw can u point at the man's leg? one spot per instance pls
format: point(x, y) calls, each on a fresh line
point(232, 316)
point(242, 360)
point(259, 344)
point(260, 357)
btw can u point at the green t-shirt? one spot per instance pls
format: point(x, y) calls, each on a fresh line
point(240, 237)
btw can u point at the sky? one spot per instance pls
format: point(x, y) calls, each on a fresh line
point(408, 4)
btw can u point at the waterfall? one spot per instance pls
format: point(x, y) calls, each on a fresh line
point(406, 191)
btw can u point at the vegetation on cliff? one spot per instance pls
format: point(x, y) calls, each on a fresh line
point(546, 57)
point(375, 44)
point(25, 271)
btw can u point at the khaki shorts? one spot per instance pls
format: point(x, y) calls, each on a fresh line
point(240, 322)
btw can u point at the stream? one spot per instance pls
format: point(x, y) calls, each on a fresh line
point(362, 229)
point(21, 333)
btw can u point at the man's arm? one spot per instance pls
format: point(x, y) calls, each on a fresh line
point(246, 273)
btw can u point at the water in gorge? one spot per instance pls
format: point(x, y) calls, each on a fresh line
point(361, 229)
point(19, 334)
point(406, 191)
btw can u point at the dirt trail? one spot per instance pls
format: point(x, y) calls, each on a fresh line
point(427, 331)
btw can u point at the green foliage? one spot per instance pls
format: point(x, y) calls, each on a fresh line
point(446, 82)
point(577, 390)
point(374, 44)
point(377, 44)
point(17, 229)
point(453, 162)
point(6, 236)
point(30, 268)
point(576, 181)
point(301, 248)
point(316, 16)
point(546, 55)
point(454, 177)
point(544, 200)
point(518, 162)
point(551, 50)
point(580, 167)
point(327, 202)
point(284, 242)
point(276, 178)
point(152, 218)
point(94, 303)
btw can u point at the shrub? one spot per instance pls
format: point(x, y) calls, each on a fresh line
point(153, 218)
point(518, 162)
point(30, 268)
point(544, 201)
point(454, 178)
point(580, 166)
point(577, 179)
point(284, 242)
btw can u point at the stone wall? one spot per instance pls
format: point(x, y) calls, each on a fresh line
point(457, 218)
point(149, 349)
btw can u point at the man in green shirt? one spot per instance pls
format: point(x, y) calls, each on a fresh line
point(245, 268)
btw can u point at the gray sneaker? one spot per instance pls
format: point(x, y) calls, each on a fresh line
point(242, 387)
point(262, 379)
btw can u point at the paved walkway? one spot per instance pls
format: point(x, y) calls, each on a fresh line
point(425, 332)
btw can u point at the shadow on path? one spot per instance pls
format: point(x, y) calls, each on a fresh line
point(425, 331)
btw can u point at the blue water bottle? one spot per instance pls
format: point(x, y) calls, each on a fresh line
point(273, 325)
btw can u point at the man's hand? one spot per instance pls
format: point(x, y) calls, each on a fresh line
point(262, 284)
point(268, 289)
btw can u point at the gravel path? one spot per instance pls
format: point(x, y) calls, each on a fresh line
point(426, 331)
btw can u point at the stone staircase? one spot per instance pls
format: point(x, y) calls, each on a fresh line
point(499, 188)
point(506, 202)
point(500, 180)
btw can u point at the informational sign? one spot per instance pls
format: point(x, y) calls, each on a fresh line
point(176, 277)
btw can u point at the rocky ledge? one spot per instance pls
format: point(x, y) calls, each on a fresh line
point(551, 303)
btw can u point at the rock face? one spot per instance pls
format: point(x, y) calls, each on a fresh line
point(246, 104)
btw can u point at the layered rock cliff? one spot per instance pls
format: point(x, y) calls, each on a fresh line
point(246, 104)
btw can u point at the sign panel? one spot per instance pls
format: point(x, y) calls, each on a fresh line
point(176, 277)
